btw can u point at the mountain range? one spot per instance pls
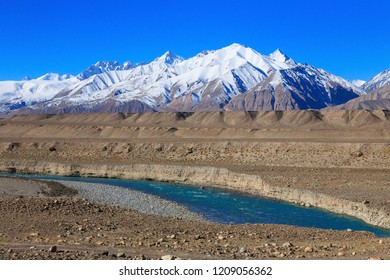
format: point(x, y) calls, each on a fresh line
point(234, 78)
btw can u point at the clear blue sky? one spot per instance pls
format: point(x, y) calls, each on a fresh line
point(348, 38)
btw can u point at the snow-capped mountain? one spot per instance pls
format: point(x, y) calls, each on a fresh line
point(380, 80)
point(300, 87)
point(232, 78)
point(17, 94)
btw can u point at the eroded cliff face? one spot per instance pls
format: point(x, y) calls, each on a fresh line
point(206, 176)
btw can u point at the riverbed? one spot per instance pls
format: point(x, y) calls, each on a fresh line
point(214, 204)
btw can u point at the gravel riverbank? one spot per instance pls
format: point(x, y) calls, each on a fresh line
point(130, 199)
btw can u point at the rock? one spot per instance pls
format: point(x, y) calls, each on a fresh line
point(168, 257)
point(121, 255)
point(380, 241)
point(53, 249)
point(358, 154)
point(105, 253)
point(242, 250)
point(366, 202)
point(34, 234)
point(308, 249)
point(173, 236)
point(349, 230)
point(375, 258)
point(287, 245)
point(340, 254)
point(221, 237)
point(198, 237)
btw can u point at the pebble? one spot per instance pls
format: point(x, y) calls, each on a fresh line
point(130, 199)
point(168, 257)
point(287, 245)
point(53, 249)
point(221, 237)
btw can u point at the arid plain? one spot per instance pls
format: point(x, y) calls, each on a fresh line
point(337, 160)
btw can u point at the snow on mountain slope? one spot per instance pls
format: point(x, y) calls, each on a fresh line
point(54, 77)
point(16, 94)
point(380, 80)
point(172, 83)
point(121, 85)
point(358, 83)
point(102, 67)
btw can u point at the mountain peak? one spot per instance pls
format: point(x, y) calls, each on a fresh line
point(169, 58)
point(103, 66)
point(106, 64)
point(380, 80)
point(279, 56)
point(236, 45)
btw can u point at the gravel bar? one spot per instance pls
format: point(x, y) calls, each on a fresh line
point(130, 199)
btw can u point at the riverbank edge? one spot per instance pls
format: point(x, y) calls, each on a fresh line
point(204, 176)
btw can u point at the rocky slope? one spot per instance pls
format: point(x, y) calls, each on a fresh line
point(378, 98)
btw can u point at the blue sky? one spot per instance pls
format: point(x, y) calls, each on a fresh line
point(348, 38)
